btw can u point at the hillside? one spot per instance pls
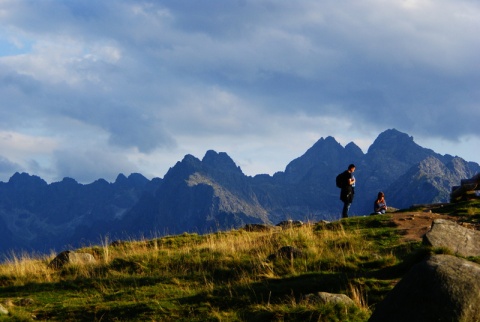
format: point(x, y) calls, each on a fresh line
point(239, 275)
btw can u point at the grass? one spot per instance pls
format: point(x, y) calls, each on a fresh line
point(224, 276)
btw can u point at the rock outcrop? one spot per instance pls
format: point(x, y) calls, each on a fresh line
point(329, 298)
point(70, 257)
point(460, 240)
point(442, 288)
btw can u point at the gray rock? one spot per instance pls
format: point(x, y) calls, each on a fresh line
point(442, 288)
point(70, 257)
point(329, 298)
point(3, 310)
point(460, 240)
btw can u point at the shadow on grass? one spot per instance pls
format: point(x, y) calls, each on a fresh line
point(282, 290)
point(122, 312)
point(81, 284)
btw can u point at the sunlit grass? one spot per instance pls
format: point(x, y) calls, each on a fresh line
point(224, 276)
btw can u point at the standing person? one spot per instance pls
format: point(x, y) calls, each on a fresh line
point(347, 189)
point(380, 205)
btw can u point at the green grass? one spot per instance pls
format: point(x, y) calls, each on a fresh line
point(221, 276)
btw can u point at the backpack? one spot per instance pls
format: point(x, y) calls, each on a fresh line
point(340, 180)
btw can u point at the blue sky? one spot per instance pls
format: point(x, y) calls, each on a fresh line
point(91, 89)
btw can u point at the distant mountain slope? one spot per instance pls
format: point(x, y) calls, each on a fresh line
point(429, 181)
point(40, 216)
point(213, 193)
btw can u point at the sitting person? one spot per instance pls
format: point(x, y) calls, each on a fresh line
point(380, 205)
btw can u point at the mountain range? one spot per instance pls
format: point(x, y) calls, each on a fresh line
point(214, 194)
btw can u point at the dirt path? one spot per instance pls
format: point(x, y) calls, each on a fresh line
point(416, 224)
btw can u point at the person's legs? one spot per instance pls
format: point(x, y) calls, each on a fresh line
point(346, 207)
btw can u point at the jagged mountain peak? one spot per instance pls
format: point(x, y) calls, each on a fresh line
point(66, 183)
point(395, 145)
point(184, 168)
point(390, 139)
point(190, 159)
point(121, 178)
point(100, 183)
point(68, 180)
point(212, 163)
point(220, 161)
point(137, 178)
point(24, 179)
point(325, 143)
point(134, 179)
point(354, 150)
point(323, 147)
point(324, 156)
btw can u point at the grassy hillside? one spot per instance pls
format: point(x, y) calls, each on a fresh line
point(227, 276)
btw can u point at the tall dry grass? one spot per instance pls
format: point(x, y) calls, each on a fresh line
point(19, 269)
point(244, 252)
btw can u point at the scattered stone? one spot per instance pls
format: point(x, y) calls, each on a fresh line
point(442, 288)
point(71, 257)
point(329, 298)
point(290, 223)
point(324, 224)
point(460, 240)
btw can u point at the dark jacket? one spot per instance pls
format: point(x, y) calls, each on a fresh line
point(347, 192)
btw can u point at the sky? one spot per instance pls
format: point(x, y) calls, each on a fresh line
point(91, 89)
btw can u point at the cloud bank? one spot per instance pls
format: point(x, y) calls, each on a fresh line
point(92, 89)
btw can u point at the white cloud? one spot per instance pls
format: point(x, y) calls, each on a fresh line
point(90, 164)
point(20, 145)
point(259, 80)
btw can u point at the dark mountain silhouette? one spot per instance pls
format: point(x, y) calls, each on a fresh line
point(213, 194)
point(39, 217)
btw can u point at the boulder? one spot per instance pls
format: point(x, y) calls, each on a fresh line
point(460, 240)
point(442, 288)
point(71, 257)
point(3, 310)
point(329, 298)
